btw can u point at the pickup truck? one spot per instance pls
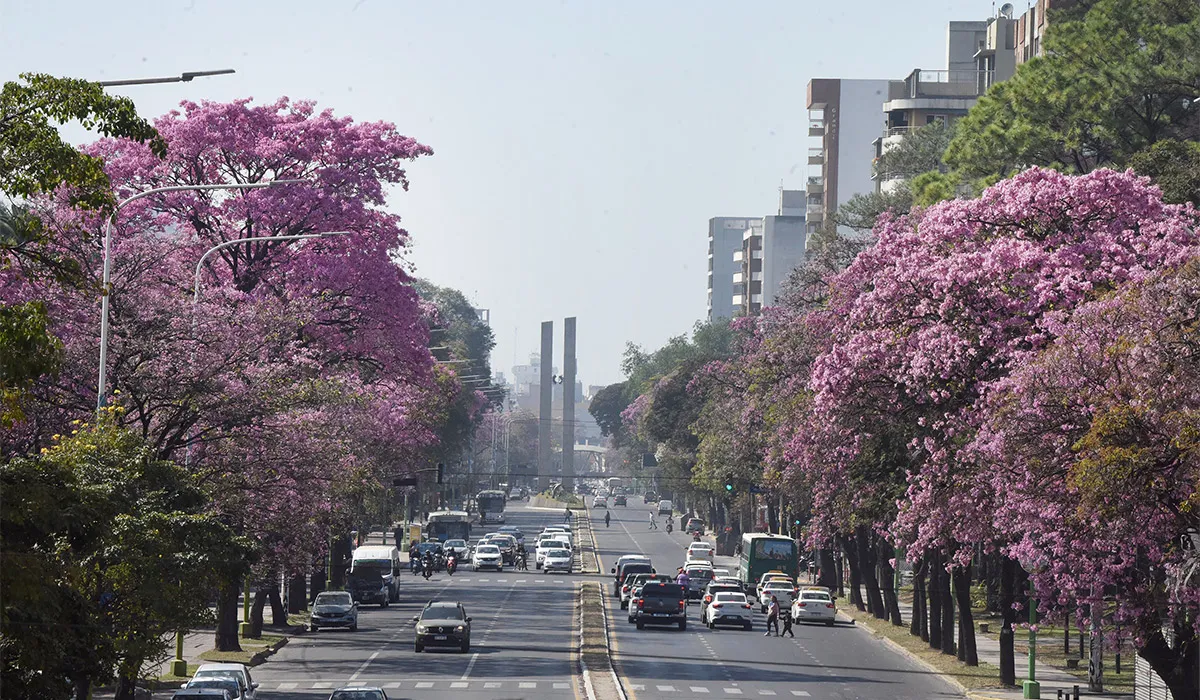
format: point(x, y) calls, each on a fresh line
point(662, 604)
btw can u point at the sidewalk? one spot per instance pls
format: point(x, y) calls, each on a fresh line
point(1051, 679)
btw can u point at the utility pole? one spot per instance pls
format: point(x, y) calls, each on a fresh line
point(546, 388)
point(568, 410)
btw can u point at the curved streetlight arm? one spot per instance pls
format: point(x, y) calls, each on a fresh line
point(105, 291)
point(250, 239)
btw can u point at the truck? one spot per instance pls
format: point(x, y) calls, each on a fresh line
point(375, 575)
point(662, 604)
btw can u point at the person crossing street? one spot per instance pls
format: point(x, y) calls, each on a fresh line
point(786, 615)
point(772, 617)
point(607, 518)
point(653, 522)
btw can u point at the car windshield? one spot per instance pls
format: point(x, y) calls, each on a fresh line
point(441, 612)
point(229, 684)
point(778, 586)
point(699, 572)
point(333, 598)
point(488, 549)
point(452, 543)
point(357, 694)
point(554, 544)
point(815, 596)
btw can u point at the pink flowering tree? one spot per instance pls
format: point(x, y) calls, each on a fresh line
point(921, 327)
point(303, 374)
point(1097, 476)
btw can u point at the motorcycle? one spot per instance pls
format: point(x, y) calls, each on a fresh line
point(668, 526)
point(451, 564)
point(695, 536)
point(427, 570)
point(415, 565)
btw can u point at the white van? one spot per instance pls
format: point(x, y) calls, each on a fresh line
point(375, 574)
point(665, 508)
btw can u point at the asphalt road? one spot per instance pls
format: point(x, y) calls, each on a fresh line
point(838, 663)
point(520, 647)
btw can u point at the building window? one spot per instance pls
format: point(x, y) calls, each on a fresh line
point(935, 119)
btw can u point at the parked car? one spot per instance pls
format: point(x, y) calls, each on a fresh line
point(444, 624)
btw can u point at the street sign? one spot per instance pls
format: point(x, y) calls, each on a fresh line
point(404, 481)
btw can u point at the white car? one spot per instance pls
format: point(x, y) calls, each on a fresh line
point(814, 605)
point(771, 576)
point(557, 559)
point(722, 573)
point(728, 609)
point(488, 556)
point(599, 502)
point(231, 670)
point(565, 539)
point(700, 550)
point(783, 590)
point(545, 546)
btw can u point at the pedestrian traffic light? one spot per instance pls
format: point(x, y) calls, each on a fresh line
point(441, 471)
point(728, 487)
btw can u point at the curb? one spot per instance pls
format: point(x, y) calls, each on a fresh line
point(917, 660)
point(598, 676)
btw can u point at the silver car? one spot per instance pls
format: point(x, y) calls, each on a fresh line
point(557, 559)
point(334, 609)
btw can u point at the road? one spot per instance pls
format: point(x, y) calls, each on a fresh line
point(838, 663)
point(523, 636)
point(520, 648)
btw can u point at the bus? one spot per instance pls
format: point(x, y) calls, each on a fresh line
point(448, 525)
point(491, 506)
point(616, 486)
point(763, 552)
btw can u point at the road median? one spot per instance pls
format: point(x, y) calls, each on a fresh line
point(599, 678)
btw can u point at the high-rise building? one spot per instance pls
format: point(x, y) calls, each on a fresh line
point(978, 54)
point(724, 239)
point(1031, 27)
point(771, 247)
point(843, 119)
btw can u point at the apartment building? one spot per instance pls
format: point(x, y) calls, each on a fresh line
point(771, 247)
point(978, 54)
point(725, 238)
point(1031, 27)
point(843, 120)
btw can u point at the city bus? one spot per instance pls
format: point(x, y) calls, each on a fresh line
point(491, 506)
point(448, 525)
point(616, 486)
point(763, 552)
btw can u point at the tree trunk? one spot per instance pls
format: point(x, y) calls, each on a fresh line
point(933, 564)
point(226, 638)
point(991, 578)
point(947, 605)
point(341, 561)
point(918, 625)
point(967, 653)
point(296, 600)
point(125, 687)
point(885, 552)
point(1008, 662)
point(850, 547)
point(256, 613)
point(827, 575)
point(83, 686)
point(1179, 666)
point(279, 616)
point(867, 570)
point(317, 579)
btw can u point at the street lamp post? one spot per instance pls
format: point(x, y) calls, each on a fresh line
point(106, 292)
point(185, 77)
point(1031, 689)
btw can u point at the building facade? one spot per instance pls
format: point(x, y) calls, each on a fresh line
point(843, 121)
point(724, 239)
point(771, 247)
point(1031, 28)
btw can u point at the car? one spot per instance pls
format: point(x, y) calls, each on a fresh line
point(620, 500)
point(359, 693)
point(715, 587)
point(662, 604)
point(700, 574)
point(461, 549)
point(665, 508)
point(630, 566)
point(545, 547)
point(443, 624)
point(557, 559)
point(721, 573)
point(565, 538)
point(649, 497)
point(694, 526)
point(333, 609)
point(769, 576)
point(600, 502)
point(515, 532)
point(230, 685)
point(728, 608)
point(621, 560)
point(814, 604)
point(240, 672)
point(785, 591)
point(700, 550)
point(635, 595)
point(633, 581)
point(487, 556)
point(508, 546)
point(514, 495)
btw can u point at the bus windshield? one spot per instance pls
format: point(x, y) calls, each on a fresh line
point(762, 553)
point(491, 505)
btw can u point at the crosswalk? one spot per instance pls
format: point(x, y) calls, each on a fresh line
point(726, 691)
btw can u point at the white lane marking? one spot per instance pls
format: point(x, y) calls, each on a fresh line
point(288, 686)
point(561, 686)
point(362, 668)
point(460, 684)
point(733, 691)
point(484, 580)
point(698, 689)
point(521, 580)
point(665, 688)
point(800, 693)
point(635, 686)
point(392, 685)
point(527, 684)
point(491, 685)
point(470, 665)
point(322, 685)
point(424, 684)
point(540, 580)
point(766, 692)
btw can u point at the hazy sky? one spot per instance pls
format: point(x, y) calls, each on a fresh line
point(580, 147)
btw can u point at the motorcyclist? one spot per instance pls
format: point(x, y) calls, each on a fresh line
point(451, 563)
point(670, 523)
point(607, 518)
point(521, 556)
point(427, 564)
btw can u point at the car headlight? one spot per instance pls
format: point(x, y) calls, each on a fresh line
point(422, 629)
point(460, 628)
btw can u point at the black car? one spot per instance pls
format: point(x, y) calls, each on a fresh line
point(443, 624)
point(662, 604)
point(620, 500)
point(650, 497)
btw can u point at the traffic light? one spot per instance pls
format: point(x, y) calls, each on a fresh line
point(441, 471)
point(404, 481)
point(728, 487)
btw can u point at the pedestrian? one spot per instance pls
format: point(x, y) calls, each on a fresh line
point(607, 518)
point(568, 515)
point(787, 624)
point(653, 522)
point(772, 617)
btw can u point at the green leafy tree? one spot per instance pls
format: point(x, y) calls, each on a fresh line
point(1117, 78)
point(606, 407)
point(105, 551)
point(919, 151)
point(1175, 168)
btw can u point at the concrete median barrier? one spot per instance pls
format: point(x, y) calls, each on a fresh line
point(599, 678)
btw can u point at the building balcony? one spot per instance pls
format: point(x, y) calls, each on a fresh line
point(756, 277)
point(738, 278)
point(814, 208)
point(816, 156)
point(737, 299)
point(756, 254)
point(815, 186)
point(816, 128)
point(943, 83)
point(738, 256)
